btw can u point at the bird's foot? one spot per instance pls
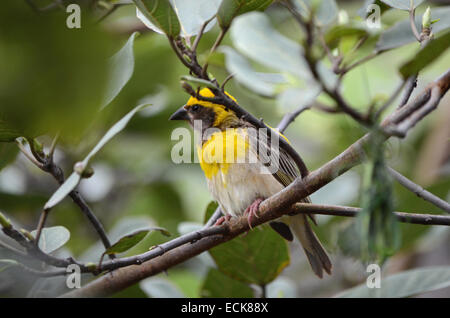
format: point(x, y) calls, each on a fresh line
point(222, 219)
point(252, 210)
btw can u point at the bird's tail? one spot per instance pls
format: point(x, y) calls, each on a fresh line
point(315, 252)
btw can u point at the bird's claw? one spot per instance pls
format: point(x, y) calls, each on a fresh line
point(252, 210)
point(222, 219)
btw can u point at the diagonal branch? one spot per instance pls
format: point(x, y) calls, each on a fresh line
point(419, 191)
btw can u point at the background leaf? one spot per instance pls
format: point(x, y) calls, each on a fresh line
point(121, 70)
point(257, 258)
point(159, 16)
point(253, 35)
point(426, 56)
point(401, 34)
point(8, 153)
point(229, 9)
point(128, 241)
point(7, 263)
point(219, 285)
point(402, 4)
point(193, 13)
point(52, 238)
point(264, 84)
point(75, 177)
point(156, 287)
point(405, 284)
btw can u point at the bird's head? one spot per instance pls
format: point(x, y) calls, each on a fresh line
point(210, 114)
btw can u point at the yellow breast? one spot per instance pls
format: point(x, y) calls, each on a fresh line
point(222, 149)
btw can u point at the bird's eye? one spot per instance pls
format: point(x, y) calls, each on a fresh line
point(195, 108)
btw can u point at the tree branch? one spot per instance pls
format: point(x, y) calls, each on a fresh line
point(419, 191)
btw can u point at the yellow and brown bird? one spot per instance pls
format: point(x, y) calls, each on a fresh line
point(238, 177)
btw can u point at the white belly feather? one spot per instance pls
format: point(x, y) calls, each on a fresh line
point(244, 184)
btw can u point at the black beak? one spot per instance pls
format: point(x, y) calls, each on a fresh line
point(180, 114)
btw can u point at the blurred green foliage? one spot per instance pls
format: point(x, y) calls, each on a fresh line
point(54, 79)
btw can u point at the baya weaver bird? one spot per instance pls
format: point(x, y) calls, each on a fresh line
point(239, 186)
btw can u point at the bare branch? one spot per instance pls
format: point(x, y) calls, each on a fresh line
point(419, 191)
point(411, 83)
point(412, 22)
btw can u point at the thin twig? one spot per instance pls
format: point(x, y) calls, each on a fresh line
point(53, 147)
point(411, 83)
point(229, 77)
point(216, 215)
point(200, 33)
point(412, 22)
point(27, 154)
point(419, 191)
point(414, 218)
point(41, 225)
point(363, 60)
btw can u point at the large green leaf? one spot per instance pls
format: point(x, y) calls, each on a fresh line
point(401, 34)
point(121, 70)
point(219, 285)
point(254, 36)
point(158, 15)
point(257, 258)
point(229, 9)
point(52, 238)
point(75, 177)
point(426, 56)
point(403, 4)
point(405, 284)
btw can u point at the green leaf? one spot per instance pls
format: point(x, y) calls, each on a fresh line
point(363, 11)
point(327, 12)
point(8, 153)
point(295, 98)
point(258, 258)
point(159, 14)
point(426, 56)
point(219, 285)
point(193, 13)
point(121, 70)
point(229, 9)
point(198, 82)
point(75, 177)
point(405, 284)
point(210, 209)
point(130, 240)
point(127, 242)
point(7, 263)
point(401, 34)
point(335, 34)
point(264, 84)
point(52, 238)
point(254, 36)
point(402, 4)
point(7, 133)
point(378, 227)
